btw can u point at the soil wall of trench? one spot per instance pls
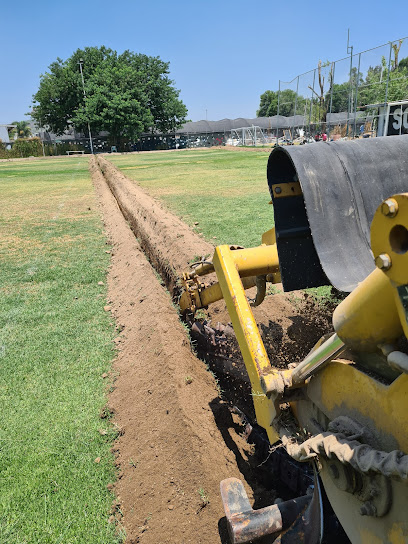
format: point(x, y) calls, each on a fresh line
point(178, 434)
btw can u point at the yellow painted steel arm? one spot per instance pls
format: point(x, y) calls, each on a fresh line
point(251, 262)
point(256, 261)
point(264, 378)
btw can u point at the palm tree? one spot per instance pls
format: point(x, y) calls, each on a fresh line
point(22, 128)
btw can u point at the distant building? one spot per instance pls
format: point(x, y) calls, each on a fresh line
point(5, 133)
point(70, 136)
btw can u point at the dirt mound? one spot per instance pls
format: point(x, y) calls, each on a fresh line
point(168, 242)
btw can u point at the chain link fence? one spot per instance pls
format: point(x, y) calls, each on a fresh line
point(350, 97)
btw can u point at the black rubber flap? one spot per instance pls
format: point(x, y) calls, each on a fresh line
point(343, 183)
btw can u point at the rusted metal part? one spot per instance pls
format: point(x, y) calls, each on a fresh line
point(261, 291)
point(247, 525)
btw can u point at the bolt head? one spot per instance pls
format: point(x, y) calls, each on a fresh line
point(278, 190)
point(383, 261)
point(389, 207)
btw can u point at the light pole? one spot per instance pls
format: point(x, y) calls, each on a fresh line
point(83, 88)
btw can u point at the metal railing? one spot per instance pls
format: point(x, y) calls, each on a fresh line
point(355, 86)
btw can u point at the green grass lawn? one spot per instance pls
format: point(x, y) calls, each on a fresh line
point(225, 191)
point(55, 343)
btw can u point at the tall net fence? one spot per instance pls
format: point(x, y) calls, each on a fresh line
point(347, 98)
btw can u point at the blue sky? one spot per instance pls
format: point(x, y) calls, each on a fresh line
point(222, 54)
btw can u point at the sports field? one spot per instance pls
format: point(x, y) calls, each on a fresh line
point(221, 193)
point(225, 191)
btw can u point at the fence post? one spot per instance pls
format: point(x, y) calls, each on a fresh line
point(333, 68)
point(355, 98)
point(294, 113)
point(350, 89)
point(311, 101)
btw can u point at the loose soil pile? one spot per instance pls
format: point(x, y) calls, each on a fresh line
point(179, 439)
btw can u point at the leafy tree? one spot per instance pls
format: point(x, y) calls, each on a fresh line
point(268, 106)
point(126, 94)
point(375, 84)
point(340, 97)
point(341, 91)
point(22, 129)
point(403, 63)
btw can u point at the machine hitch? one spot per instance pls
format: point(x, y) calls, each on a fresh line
point(247, 525)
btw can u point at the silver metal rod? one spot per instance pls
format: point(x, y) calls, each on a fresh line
point(311, 100)
point(294, 113)
point(328, 351)
point(355, 98)
point(333, 68)
point(350, 90)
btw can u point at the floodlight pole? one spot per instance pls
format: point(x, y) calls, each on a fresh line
point(83, 88)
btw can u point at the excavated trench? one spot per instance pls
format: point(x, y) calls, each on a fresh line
point(289, 325)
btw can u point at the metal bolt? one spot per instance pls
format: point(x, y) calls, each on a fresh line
point(389, 207)
point(368, 509)
point(278, 190)
point(383, 261)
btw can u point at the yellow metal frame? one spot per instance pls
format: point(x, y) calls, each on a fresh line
point(283, 190)
point(370, 317)
point(236, 271)
point(258, 261)
point(264, 379)
point(373, 314)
